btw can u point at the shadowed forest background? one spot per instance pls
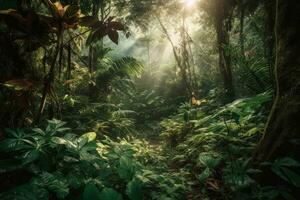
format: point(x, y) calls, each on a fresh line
point(149, 99)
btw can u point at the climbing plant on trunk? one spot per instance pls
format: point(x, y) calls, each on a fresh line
point(282, 132)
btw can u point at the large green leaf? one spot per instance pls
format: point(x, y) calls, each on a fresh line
point(109, 194)
point(31, 156)
point(58, 140)
point(126, 168)
point(91, 192)
point(292, 176)
point(90, 136)
point(288, 162)
point(204, 175)
point(135, 189)
point(86, 139)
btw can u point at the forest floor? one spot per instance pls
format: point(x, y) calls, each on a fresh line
point(195, 154)
point(155, 142)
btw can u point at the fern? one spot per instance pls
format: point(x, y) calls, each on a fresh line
point(53, 183)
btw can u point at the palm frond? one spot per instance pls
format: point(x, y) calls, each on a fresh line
point(127, 66)
point(101, 53)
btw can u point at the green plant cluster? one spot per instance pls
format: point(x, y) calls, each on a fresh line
point(216, 147)
point(62, 165)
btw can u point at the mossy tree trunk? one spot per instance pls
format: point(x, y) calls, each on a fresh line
point(282, 132)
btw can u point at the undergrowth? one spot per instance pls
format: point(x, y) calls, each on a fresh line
point(206, 156)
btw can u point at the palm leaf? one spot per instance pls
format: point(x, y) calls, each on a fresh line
point(127, 66)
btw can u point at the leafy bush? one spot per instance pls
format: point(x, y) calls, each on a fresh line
point(62, 165)
point(218, 143)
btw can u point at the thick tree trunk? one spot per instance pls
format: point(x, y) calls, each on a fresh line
point(283, 127)
point(270, 12)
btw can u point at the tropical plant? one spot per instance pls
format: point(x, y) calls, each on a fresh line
point(60, 163)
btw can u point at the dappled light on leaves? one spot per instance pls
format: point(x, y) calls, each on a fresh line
point(149, 100)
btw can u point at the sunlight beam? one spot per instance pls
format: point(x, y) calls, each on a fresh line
point(189, 3)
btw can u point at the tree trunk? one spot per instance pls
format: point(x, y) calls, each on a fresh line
point(242, 38)
point(283, 127)
point(224, 58)
point(60, 62)
point(69, 70)
point(69, 62)
point(270, 9)
point(50, 77)
point(91, 57)
point(177, 59)
point(222, 22)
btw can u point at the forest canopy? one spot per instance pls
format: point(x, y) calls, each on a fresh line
point(149, 99)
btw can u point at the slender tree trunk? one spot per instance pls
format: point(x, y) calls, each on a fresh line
point(242, 37)
point(60, 62)
point(187, 56)
point(283, 127)
point(177, 59)
point(69, 66)
point(95, 13)
point(225, 58)
point(50, 76)
point(69, 62)
point(44, 60)
point(222, 22)
point(148, 51)
point(90, 59)
point(192, 61)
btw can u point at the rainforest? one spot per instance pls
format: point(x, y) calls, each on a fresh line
point(149, 99)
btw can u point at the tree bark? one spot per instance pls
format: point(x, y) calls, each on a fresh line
point(60, 62)
point(222, 23)
point(270, 12)
point(91, 57)
point(283, 127)
point(69, 62)
point(242, 38)
point(49, 79)
point(225, 59)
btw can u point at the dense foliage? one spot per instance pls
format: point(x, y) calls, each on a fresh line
point(138, 100)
